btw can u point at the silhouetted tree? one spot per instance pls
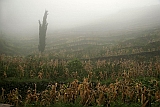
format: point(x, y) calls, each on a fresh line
point(42, 32)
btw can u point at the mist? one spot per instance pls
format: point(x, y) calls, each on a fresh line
point(19, 17)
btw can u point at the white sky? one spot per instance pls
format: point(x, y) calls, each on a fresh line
point(22, 15)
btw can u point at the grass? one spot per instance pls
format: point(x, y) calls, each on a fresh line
point(71, 48)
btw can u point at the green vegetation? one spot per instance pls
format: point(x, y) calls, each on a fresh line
point(83, 71)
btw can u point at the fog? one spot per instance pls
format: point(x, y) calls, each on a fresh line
point(20, 17)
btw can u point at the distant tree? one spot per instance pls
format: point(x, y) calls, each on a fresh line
point(42, 32)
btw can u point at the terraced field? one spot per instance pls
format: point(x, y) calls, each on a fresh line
point(83, 70)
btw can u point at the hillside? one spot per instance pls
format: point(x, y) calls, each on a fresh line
point(86, 46)
point(6, 46)
point(100, 62)
point(130, 20)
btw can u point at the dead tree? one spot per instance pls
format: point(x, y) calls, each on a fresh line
point(42, 32)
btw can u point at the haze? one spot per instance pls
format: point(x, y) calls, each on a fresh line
point(21, 16)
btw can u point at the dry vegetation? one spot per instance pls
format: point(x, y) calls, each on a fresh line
point(87, 81)
point(109, 72)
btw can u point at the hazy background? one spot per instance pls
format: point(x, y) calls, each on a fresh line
point(20, 17)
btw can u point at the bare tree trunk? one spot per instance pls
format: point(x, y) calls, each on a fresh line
point(42, 32)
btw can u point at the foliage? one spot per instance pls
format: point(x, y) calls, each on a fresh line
point(40, 81)
point(74, 66)
point(104, 74)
